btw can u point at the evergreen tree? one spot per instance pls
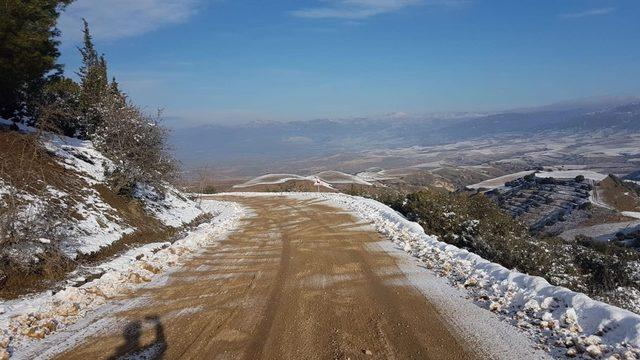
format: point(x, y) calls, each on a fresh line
point(114, 90)
point(94, 85)
point(59, 109)
point(87, 51)
point(28, 52)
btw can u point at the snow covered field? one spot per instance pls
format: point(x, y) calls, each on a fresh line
point(563, 322)
point(32, 323)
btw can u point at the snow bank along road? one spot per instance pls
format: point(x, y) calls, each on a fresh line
point(302, 280)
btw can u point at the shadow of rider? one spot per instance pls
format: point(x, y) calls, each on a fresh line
point(132, 348)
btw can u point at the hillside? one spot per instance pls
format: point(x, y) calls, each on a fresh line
point(59, 212)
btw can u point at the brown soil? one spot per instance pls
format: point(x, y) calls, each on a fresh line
point(598, 215)
point(297, 281)
point(619, 195)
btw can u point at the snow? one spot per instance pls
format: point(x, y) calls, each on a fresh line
point(74, 154)
point(633, 214)
point(371, 176)
point(22, 127)
point(26, 320)
point(273, 179)
point(570, 174)
point(99, 227)
point(4, 189)
point(602, 232)
point(497, 182)
point(79, 156)
point(557, 317)
point(476, 327)
point(326, 179)
point(172, 208)
point(96, 225)
point(338, 177)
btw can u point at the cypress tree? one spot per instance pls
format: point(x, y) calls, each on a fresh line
point(94, 84)
point(87, 51)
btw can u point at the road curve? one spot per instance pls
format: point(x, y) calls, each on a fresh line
point(297, 281)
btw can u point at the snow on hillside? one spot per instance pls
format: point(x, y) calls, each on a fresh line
point(172, 208)
point(565, 323)
point(79, 156)
point(98, 224)
point(29, 326)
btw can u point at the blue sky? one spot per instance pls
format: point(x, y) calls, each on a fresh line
point(235, 61)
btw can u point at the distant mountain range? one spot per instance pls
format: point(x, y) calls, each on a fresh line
point(257, 143)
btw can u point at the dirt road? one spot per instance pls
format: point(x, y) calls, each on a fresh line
point(297, 281)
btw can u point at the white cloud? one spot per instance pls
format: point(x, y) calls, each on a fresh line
point(361, 9)
point(116, 19)
point(589, 12)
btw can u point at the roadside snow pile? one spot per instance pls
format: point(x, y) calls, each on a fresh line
point(564, 322)
point(27, 320)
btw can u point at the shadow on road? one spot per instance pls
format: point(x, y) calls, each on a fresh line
point(133, 349)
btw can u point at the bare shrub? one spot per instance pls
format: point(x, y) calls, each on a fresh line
point(137, 145)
